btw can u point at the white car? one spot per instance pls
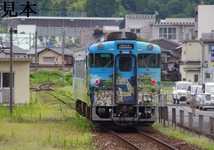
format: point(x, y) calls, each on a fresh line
point(198, 95)
point(179, 92)
point(207, 96)
point(191, 91)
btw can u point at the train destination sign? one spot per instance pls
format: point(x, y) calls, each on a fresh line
point(125, 46)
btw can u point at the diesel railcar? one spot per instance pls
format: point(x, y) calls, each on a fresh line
point(117, 82)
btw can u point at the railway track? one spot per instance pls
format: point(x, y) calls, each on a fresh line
point(137, 140)
point(69, 102)
point(142, 139)
point(63, 98)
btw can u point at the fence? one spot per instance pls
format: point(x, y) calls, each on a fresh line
point(186, 118)
point(167, 84)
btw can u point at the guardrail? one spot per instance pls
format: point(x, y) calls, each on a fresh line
point(185, 119)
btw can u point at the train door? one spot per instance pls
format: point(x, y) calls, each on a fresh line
point(125, 79)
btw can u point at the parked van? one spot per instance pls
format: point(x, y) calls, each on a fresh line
point(198, 95)
point(207, 96)
point(191, 92)
point(180, 91)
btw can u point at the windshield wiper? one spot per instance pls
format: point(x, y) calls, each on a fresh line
point(145, 64)
point(107, 64)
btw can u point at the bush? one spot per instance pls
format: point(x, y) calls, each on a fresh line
point(68, 77)
point(43, 76)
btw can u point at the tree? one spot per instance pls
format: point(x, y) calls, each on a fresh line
point(152, 6)
point(129, 5)
point(3, 30)
point(180, 15)
point(141, 6)
point(163, 12)
point(75, 5)
point(103, 8)
point(189, 10)
point(53, 40)
point(145, 40)
point(45, 5)
point(79, 5)
point(121, 10)
point(77, 40)
point(175, 7)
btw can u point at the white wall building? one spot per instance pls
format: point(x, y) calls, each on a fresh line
point(203, 20)
point(26, 29)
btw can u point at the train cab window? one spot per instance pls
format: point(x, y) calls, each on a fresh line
point(149, 61)
point(101, 60)
point(125, 64)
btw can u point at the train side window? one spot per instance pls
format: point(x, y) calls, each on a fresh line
point(79, 68)
point(101, 60)
point(125, 64)
point(158, 60)
point(149, 61)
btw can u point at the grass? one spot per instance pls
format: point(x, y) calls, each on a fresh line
point(201, 142)
point(43, 136)
point(43, 76)
point(26, 129)
point(167, 89)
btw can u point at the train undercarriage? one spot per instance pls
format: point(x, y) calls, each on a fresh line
point(120, 115)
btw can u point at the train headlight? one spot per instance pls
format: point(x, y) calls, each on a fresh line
point(97, 81)
point(100, 46)
point(153, 82)
point(101, 110)
point(150, 47)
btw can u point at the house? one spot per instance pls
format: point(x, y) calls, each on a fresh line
point(20, 70)
point(17, 51)
point(51, 58)
point(54, 26)
point(190, 63)
point(140, 24)
point(91, 37)
point(207, 57)
point(203, 23)
point(145, 26)
point(170, 54)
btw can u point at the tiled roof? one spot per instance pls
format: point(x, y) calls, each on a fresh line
point(168, 52)
point(172, 23)
point(54, 49)
point(163, 38)
point(140, 16)
point(16, 49)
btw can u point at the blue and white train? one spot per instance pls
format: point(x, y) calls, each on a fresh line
point(117, 82)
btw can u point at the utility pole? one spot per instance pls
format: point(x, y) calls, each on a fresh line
point(36, 51)
point(202, 61)
point(29, 41)
point(63, 49)
point(11, 70)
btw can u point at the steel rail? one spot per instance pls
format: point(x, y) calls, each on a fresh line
point(167, 146)
point(126, 141)
point(66, 103)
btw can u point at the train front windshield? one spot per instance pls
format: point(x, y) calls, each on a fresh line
point(149, 61)
point(101, 60)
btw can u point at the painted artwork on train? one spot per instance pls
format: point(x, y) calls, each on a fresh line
point(103, 93)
